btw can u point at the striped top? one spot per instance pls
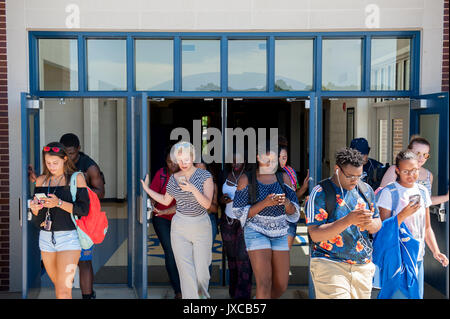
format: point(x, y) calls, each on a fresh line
point(186, 202)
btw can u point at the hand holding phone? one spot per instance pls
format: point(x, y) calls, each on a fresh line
point(41, 197)
point(414, 199)
point(182, 180)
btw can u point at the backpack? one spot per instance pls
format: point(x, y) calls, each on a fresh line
point(374, 180)
point(394, 200)
point(93, 227)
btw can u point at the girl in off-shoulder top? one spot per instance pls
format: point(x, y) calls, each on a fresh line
point(51, 207)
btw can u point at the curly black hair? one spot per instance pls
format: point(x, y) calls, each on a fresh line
point(347, 155)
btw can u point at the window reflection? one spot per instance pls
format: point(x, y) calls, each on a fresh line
point(154, 65)
point(106, 65)
point(341, 64)
point(58, 65)
point(390, 64)
point(293, 65)
point(247, 65)
point(200, 65)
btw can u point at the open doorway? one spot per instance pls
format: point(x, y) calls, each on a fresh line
point(292, 120)
point(100, 124)
point(383, 122)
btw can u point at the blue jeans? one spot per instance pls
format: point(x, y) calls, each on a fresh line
point(162, 229)
point(213, 218)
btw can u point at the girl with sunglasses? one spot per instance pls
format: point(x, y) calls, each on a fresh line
point(421, 147)
point(51, 207)
point(410, 201)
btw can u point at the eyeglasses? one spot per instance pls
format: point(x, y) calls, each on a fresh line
point(409, 172)
point(424, 155)
point(54, 149)
point(351, 177)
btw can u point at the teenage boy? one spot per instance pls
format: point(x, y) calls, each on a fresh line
point(341, 255)
point(95, 181)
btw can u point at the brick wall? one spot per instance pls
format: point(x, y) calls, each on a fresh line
point(445, 51)
point(4, 156)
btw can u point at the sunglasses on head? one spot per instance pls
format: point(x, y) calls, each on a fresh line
point(54, 149)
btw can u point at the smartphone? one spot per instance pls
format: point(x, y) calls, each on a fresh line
point(40, 196)
point(414, 199)
point(182, 180)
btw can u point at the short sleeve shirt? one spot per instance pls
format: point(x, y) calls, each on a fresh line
point(159, 184)
point(352, 246)
point(415, 222)
point(186, 202)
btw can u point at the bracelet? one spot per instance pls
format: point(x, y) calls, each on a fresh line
point(59, 202)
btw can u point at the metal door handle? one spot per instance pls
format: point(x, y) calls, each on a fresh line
point(440, 212)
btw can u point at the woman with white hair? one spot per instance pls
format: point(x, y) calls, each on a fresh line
point(190, 234)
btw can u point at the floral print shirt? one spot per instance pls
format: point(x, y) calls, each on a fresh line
point(352, 246)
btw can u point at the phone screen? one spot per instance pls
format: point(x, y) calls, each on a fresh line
point(414, 199)
point(40, 196)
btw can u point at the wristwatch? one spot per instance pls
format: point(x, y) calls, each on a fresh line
point(59, 202)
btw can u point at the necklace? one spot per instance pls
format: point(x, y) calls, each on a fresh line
point(234, 176)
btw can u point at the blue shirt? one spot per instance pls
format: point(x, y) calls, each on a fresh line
point(352, 245)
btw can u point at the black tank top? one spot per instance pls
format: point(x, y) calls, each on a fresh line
point(83, 164)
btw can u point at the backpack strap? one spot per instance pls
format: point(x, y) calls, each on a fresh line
point(394, 196)
point(362, 187)
point(280, 180)
point(73, 185)
point(330, 196)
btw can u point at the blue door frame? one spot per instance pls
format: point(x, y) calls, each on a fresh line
point(315, 95)
point(31, 261)
point(436, 104)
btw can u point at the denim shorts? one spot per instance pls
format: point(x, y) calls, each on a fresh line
point(292, 230)
point(255, 240)
point(64, 240)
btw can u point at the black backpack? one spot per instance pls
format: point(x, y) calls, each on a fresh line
point(375, 177)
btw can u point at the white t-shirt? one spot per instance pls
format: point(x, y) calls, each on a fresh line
point(230, 191)
point(415, 222)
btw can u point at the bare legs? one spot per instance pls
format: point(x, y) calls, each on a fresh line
point(61, 267)
point(271, 269)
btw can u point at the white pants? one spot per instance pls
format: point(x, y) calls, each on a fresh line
point(191, 239)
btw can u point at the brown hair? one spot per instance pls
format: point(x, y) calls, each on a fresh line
point(419, 140)
point(69, 167)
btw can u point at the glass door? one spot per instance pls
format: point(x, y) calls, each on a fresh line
point(138, 197)
point(31, 257)
point(429, 119)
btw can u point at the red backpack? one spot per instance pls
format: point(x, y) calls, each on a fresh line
point(93, 227)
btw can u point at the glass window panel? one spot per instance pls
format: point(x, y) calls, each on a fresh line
point(154, 65)
point(200, 65)
point(341, 65)
point(429, 129)
point(247, 65)
point(293, 65)
point(107, 65)
point(391, 57)
point(58, 65)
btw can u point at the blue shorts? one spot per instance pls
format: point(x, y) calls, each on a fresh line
point(86, 254)
point(292, 230)
point(255, 240)
point(64, 240)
